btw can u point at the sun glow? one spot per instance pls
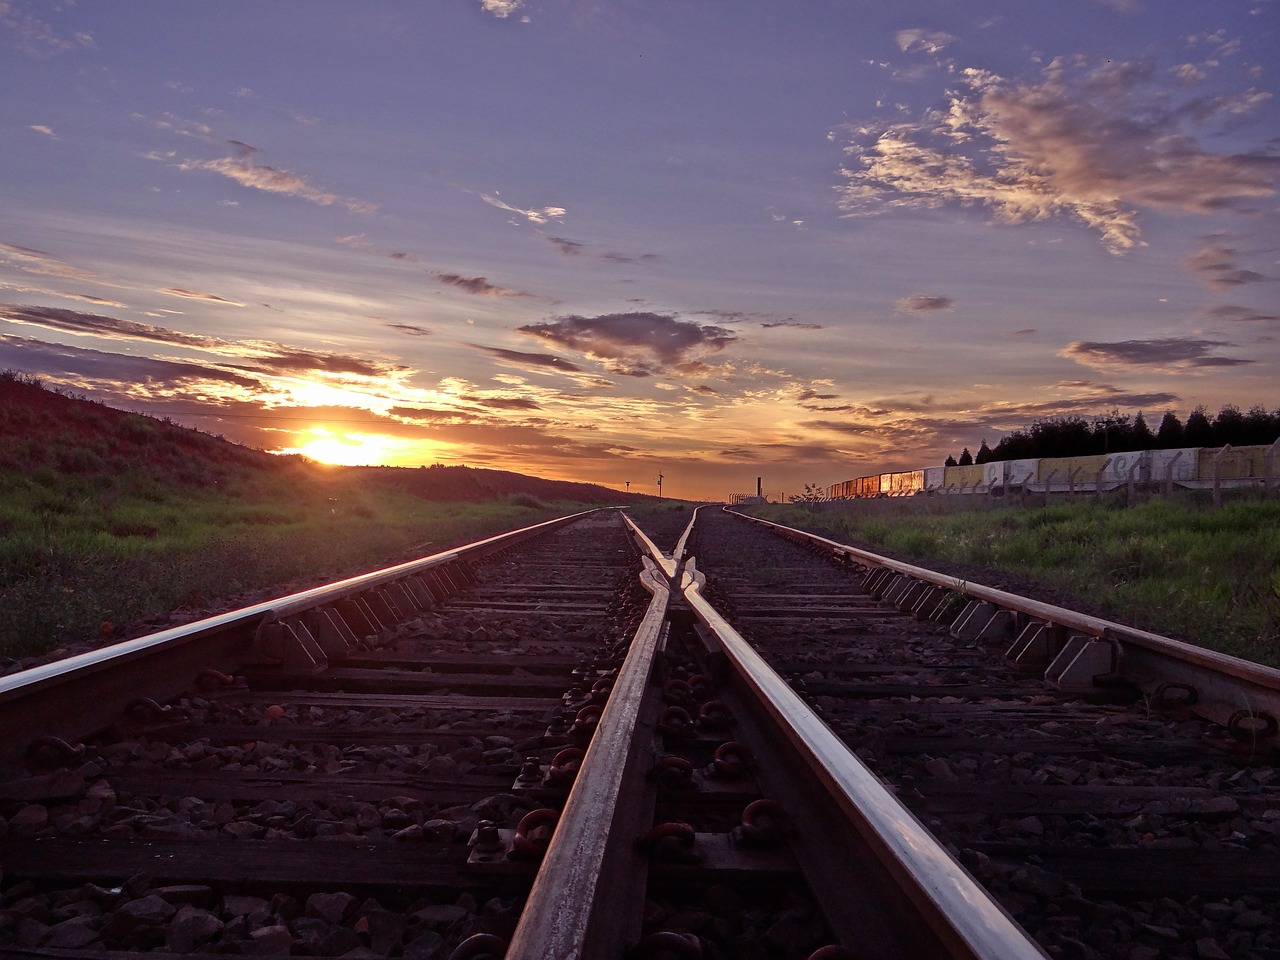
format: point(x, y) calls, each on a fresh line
point(354, 449)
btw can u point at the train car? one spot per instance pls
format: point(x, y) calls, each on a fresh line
point(963, 478)
point(1192, 466)
point(1003, 474)
point(867, 486)
point(1236, 464)
point(905, 483)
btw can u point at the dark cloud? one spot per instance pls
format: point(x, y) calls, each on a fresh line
point(1217, 267)
point(275, 359)
point(476, 286)
point(634, 344)
point(1176, 353)
point(506, 403)
point(95, 325)
point(432, 414)
point(538, 360)
point(1025, 332)
point(921, 303)
point(614, 257)
point(411, 329)
point(570, 248)
point(253, 356)
point(1240, 315)
point(110, 374)
point(796, 324)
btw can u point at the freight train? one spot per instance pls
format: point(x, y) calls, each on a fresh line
point(1187, 467)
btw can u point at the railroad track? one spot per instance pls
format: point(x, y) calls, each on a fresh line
point(557, 743)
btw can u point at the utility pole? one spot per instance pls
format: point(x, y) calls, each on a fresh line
point(659, 486)
point(628, 483)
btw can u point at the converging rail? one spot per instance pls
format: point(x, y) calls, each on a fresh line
point(300, 630)
point(1075, 652)
point(1114, 790)
point(564, 742)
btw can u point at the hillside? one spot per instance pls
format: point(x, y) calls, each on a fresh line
point(109, 520)
point(52, 437)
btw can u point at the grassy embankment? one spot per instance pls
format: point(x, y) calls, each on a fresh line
point(1179, 567)
point(108, 516)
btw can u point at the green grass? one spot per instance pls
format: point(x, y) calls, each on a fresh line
point(74, 555)
point(1180, 567)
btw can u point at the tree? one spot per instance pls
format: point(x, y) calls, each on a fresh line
point(966, 458)
point(1140, 434)
point(1229, 427)
point(984, 453)
point(1198, 432)
point(950, 461)
point(1169, 436)
point(1261, 427)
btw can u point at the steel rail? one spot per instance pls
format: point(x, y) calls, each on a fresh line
point(101, 682)
point(961, 915)
point(1224, 685)
point(568, 911)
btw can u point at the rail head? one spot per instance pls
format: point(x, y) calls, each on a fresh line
point(960, 912)
point(566, 906)
point(25, 682)
point(1260, 676)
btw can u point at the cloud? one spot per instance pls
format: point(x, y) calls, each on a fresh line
point(197, 295)
point(1164, 353)
point(926, 41)
point(39, 263)
point(95, 325)
point(259, 176)
point(634, 344)
point(1217, 268)
point(573, 248)
point(570, 248)
point(112, 372)
point(412, 329)
point(35, 37)
point(1092, 146)
point(921, 303)
point(253, 355)
point(533, 215)
point(477, 286)
point(534, 360)
point(1240, 314)
point(501, 8)
point(507, 403)
point(41, 128)
point(795, 324)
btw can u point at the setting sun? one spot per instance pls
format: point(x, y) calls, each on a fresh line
point(350, 449)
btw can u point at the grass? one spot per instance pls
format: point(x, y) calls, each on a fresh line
point(1179, 567)
point(71, 560)
point(109, 516)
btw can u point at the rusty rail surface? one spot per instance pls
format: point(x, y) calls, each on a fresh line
point(103, 682)
point(1222, 688)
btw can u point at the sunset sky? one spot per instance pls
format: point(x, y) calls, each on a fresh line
point(602, 240)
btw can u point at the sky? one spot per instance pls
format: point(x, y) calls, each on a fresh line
point(617, 240)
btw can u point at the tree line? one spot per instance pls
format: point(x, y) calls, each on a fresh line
point(1114, 432)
